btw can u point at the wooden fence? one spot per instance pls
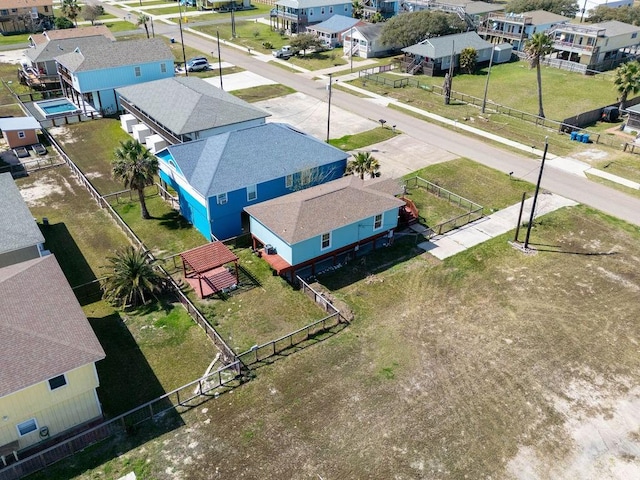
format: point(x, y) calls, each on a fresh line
point(24, 168)
point(181, 399)
point(474, 210)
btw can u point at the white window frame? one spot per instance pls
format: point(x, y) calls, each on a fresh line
point(21, 134)
point(137, 71)
point(31, 421)
point(288, 181)
point(222, 198)
point(59, 386)
point(377, 222)
point(252, 193)
point(327, 241)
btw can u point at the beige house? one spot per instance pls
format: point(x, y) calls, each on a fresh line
point(50, 35)
point(25, 15)
point(19, 131)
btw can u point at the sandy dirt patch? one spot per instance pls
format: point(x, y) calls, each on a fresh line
point(36, 194)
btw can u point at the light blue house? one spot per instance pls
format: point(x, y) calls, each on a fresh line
point(308, 231)
point(295, 15)
point(218, 176)
point(90, 74)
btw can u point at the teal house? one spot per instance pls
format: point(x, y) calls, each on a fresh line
point(310, 231)
point(89, 74)
point(218, 176)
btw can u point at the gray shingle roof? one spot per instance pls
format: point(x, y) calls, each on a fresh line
point(78, 32)
point(370, 31)
point(614, 27)
point(337, 23)
point(43, 330)
point(116, 54)
point(542, 17)
point(311, 212)
point(189, 104)
point(309, 3)
point(439, 47)
point(17, 227)
point(45, 52)
point(230, 161)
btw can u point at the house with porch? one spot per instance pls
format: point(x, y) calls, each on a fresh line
point(364, 41)
point(20, 237)
point(78, 32)
point(595, 46)
point(309, 231)
point(331, 31)
point(472, 12)
point(25, 15)
point(48, 353)
point(222, 5)
point(433, 55)
point(182, 109)
point(90, 74)
point(295, 16)
point(517, 28)
point(216, 177)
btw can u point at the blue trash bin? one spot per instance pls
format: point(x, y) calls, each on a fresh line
point(573, 135)
point(579, 137)
point(585, 138)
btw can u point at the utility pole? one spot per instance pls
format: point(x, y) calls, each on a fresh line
point(486, 85)
point(233, 19)
point(535, 195)
point(219, 60)
point(153, 32)
point(184, 54)
point(329, 110)
point(448, 78)
point(351, 47)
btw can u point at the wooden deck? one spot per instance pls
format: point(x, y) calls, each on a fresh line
point(275, 261)
point(214, 281)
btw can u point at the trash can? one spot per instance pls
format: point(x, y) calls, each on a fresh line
point(573, 135)
point(585, 138)
point(579, 137)
point(172, 40)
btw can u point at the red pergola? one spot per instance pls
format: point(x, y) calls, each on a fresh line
point(207, 264)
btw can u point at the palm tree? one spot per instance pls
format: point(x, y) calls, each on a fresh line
point(363, 163)
point(357, 9)
point(539, 45)
point(143, 20)
point(71, 10)
point(627, 80)
point(132, 279)
point(136, 167)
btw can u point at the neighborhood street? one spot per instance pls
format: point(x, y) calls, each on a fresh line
point(569, 185)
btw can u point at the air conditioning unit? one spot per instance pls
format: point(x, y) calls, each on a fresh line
point(270, 249)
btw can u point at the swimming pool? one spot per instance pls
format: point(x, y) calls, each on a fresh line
point(52, 108)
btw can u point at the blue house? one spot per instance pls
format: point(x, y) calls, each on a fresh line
point(308, 231)
point(90, 74)
point(216, 177)
point(295, 15)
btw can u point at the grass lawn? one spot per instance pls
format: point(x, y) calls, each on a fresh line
point(121, 27)
point(363, 139)
point(262, 92)
point(248, 34)
point(319, 60)
point(91, 146)
point(483, 185)
point(19, 39)
point(474, 367)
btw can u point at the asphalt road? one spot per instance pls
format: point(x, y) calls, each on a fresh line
point(608, 200)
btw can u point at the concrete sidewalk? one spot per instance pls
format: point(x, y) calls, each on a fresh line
point(491, 226)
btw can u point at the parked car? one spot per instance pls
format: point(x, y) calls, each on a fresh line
point(285, 52)
point(197, 65)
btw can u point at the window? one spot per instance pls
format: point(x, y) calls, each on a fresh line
point(306, 176)
point(377, 221)
point(222, 199)
point(634, 34)
point(27, 427)
point(57, 382)
point(4, 12)
point(346, 9)
point(311, 12)
point(21, 135)
point(163, 67)
point(137, 71)
point(288, 181)
point(252, 193)
point(330, 9)
point(325, 241)
point(322, 11)
point(46, 8)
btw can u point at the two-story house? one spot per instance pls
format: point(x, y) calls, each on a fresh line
point(295, 15)
point(90, 74)
point(218, 176)
point(308, 231)
point(517, 28)
point(596, 46)
point(48, 350)
point(25, 15)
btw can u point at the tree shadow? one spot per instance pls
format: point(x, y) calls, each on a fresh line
point(173, 221)
point(559, 249)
